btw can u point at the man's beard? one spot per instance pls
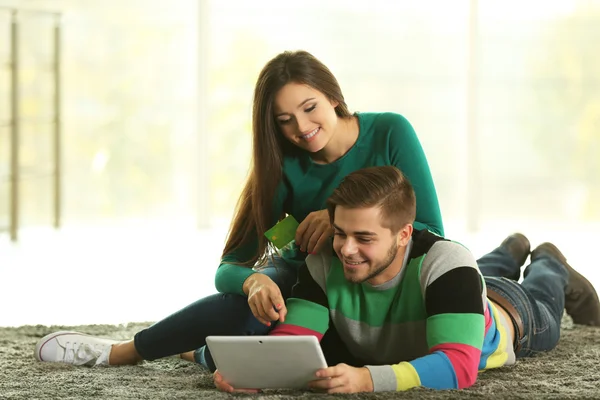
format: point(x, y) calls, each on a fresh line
point(378, 269)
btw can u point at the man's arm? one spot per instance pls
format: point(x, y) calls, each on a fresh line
point(455, 330)
point(308, 312)
point(455, 326)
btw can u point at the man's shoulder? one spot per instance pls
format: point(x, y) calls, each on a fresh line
point(319, 264)
point(452, 253)
point(423, 240)
point(439, 255)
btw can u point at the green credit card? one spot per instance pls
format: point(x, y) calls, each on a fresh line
point(283, 232)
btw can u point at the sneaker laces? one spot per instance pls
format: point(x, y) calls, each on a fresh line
point(86, 354)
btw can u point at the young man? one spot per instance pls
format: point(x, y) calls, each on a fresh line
point(398, 308)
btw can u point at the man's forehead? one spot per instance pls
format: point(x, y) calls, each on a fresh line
point(365, 220)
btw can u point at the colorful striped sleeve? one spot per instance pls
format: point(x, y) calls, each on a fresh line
point(455, 332)
point(308, 311)
point(495, 341)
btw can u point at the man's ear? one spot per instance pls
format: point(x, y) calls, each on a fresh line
point(404, 235)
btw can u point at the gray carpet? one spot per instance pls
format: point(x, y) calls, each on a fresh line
point(569, 371)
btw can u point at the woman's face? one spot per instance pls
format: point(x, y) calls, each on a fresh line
point(305, 116)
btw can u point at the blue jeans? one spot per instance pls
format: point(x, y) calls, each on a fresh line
point(218, 314)
point(539, 299)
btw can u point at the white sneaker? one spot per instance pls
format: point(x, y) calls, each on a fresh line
point(73, 348)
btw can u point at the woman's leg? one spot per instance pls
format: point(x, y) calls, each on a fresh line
point(285, 277)
point(183, 331)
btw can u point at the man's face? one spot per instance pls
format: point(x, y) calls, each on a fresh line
point(368, 251)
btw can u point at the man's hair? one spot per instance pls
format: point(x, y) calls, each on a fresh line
point(383, 187)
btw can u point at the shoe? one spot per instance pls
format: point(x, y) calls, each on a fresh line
point(73, 348)
point(518, 247)
point(581, 299)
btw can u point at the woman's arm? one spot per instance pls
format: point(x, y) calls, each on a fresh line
point(406, 153)
point(308, 311)
point(230, 276)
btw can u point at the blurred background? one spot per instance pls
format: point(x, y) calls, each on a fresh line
point(122, 160)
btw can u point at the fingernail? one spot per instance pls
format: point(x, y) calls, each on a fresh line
point(312, 253)
point(278, 306)
point(268, 324)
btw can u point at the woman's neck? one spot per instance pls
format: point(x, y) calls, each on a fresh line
point(344, 137)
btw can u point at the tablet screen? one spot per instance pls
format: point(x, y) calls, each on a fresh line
point(267, 362)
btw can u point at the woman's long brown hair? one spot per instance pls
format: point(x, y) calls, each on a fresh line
point(254, 209)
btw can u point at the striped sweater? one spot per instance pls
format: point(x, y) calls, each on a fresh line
point(430, 326)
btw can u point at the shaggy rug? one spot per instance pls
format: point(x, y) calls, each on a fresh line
point(568, 372)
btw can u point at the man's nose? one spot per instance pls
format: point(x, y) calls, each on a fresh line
point(349, 247)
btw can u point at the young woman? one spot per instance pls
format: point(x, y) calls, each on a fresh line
point(305, 140)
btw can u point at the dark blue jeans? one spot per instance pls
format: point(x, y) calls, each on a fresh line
point(539, 298)
point(217, 314)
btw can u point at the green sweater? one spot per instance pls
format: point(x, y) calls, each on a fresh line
point(383, 139)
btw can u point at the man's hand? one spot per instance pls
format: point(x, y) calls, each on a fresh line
point(264, 298)
point(314, 231)
point(343, 379)
point(226, 387)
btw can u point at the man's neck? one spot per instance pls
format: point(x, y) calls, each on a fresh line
point(394, 268)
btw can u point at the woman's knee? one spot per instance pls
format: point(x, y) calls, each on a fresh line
point(240, 319)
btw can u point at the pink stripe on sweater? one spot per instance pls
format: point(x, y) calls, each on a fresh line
point(294, 330)
point(487, 315)
point(464, 359)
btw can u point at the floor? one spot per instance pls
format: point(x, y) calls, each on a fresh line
point(144, 271)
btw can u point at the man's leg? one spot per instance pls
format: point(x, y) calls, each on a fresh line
point(540, 298)
point(539, 302)
point(506, 260)
point(544, 283)
point(581, 299)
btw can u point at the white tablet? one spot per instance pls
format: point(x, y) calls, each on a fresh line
point(267, 362)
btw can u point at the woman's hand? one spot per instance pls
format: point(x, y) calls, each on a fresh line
point(226, 387)
point(314, 231)
point(264, 298)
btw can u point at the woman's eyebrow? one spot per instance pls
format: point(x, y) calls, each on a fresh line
point(299, 105)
